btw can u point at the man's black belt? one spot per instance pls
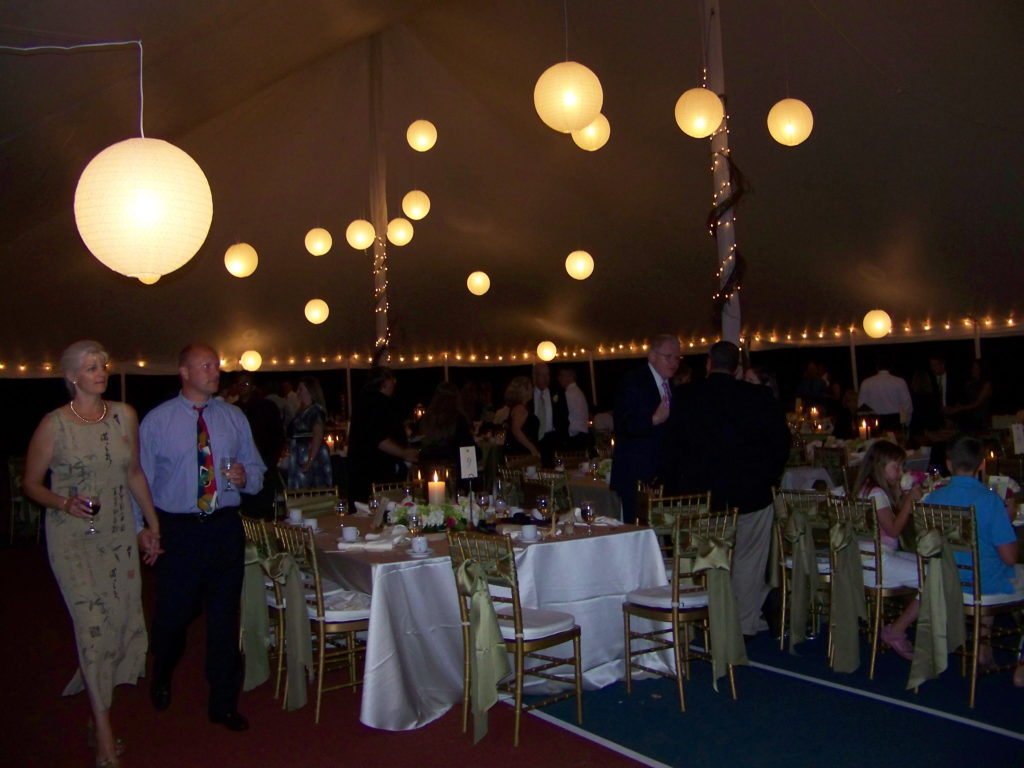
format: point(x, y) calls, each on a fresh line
point(197, 517)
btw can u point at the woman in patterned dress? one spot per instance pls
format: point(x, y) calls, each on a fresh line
point(90, 447)
point(309, 463)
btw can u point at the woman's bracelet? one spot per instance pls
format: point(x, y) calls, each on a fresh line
point(67, 504)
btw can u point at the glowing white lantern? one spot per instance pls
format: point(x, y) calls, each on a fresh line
point(318, 241)
point(579, 265)
point(148, 279)
point(595, 135)
point(241, 259)
point(421, 135)
point(546, 351)
point(317, 311)
point(568, 96)
point(478, 283)
point(877, 323)
point(360, 234)
point(790, 122)
point(251, 360)
point(143, 207)
point(699, 112)
point(399, 231)
point(416, 204)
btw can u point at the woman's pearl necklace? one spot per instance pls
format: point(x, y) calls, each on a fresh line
point(90, 421)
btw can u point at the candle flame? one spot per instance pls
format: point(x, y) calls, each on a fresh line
point(435, 476)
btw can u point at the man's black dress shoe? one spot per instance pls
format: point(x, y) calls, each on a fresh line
point(160, 695)
point(231, 720)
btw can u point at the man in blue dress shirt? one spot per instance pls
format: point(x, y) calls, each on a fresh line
point(201, 533)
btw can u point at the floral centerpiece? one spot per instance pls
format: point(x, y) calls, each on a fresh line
point(604, 469)
point(436, 518)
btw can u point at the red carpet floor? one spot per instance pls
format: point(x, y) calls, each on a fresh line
point(42, 728)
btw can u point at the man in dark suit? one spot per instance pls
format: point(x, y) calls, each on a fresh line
point(731, 439)
point(552, 414)
point(643, 403)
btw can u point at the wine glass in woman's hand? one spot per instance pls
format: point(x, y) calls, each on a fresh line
point(92, 506)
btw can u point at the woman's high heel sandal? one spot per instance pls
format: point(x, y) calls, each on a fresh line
point(90, 740)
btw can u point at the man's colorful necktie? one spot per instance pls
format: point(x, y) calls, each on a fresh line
point(207, 475)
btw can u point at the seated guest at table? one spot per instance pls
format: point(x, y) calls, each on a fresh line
point(265, 422)
point(309, 461)
point(997, 541)
point(878, 479)
point(888, 396)
point(445, 428)
point(812, 387)
point(91, 448)
point(578, 436)
point(974, 414)
point(731, 439)
point(377, 445)
point(642, 407)
point(522, 424)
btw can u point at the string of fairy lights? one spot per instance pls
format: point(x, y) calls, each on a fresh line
point(922, 330)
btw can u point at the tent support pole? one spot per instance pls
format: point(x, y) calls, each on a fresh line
point(853, 361)
point(720, 170)
point(124, 387)
point(593, 382)
point(977, 340)
point(378, 203)
point(348, 387)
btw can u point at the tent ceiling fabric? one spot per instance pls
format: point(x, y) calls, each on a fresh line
point(905, 197)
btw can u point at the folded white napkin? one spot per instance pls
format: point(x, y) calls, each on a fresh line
point(361, 508)
point(381, 545)
point(611, 522)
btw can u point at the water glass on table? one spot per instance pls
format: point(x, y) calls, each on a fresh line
point(587, 513)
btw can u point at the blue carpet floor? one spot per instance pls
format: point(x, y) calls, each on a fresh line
point(794, 711)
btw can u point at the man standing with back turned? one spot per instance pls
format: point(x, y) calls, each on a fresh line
point(183, 446)
point(733, 441)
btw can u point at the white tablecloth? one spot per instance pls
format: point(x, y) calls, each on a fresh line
point(413, 671)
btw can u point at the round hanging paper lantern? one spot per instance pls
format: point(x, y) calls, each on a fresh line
point(699, 112)
point(241, 259)
point(143, 207)
point(579, 265)
point(360, 234)
point(317, 311)
point(251, 360)
point(416, 204)
point(478, 283)
point(877, 323)
point(568, 97)
point(318, 241)
point(421, 135)
point(546, 351)
point(790, 122)
point(399, 231)
point(148, 279)
point(595, 135)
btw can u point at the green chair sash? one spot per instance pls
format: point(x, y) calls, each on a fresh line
point(489, 661)
point(283, 569)
point(255, 625)
point(805, 579)
point(848, 604)
point(940, 625)
point(726, 639)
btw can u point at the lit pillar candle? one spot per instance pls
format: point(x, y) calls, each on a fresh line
point(863, 430)
point(435, 491)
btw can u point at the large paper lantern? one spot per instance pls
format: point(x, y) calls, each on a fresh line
point(790, 122)
point(416, 204)
point(251, 360)
point(421, 135)
point(579, 265)
point(318, 241)
point(360, 234)
point(143, 207)
point(149, 279)
point(568, 96)
point(399, 231)
point(877, 323)
point(699, 112)
point(316, 311)
point(241, 259)
point(478, 283)
point(546, 351)
point(595, 135)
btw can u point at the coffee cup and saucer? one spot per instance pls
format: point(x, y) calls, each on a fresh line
point(418, 547)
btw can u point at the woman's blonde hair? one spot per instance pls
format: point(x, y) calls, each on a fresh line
point(519, 390)
point(72, 357)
